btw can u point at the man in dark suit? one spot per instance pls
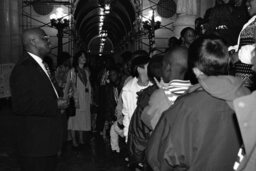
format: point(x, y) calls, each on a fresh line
point(36, 104)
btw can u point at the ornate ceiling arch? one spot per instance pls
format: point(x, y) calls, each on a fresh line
point(118, 23)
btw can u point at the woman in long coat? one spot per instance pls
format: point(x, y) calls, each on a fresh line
point(80, 88)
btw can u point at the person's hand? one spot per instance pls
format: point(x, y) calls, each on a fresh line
point(62, 103)
point(160, 84)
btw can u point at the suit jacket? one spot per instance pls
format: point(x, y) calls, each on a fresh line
point(35, 105)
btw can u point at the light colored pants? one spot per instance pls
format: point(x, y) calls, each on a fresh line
point(115, 132)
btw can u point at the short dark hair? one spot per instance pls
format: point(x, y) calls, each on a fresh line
point(210, 55)
point(169, 54)
point(139, 61)
point(155, 67)
point(173, 42)
point(185, 30)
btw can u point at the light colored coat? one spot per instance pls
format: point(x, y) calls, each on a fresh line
point(246, 116)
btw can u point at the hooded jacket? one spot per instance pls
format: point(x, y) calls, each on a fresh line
point(199, 132)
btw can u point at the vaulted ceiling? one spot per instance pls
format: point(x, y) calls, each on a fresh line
point(118, 22)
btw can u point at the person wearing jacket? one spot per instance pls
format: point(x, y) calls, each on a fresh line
point(139, 133)
point(244, 48)
point(129, 95)
point(36, 105)
point(199, 132)
point(246, 116)
point(175, 64)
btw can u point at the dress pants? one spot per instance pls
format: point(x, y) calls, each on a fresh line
point(38, 163)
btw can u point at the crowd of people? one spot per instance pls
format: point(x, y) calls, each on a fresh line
point(189, 108)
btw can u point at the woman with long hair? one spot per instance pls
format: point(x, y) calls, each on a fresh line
point(80, 88)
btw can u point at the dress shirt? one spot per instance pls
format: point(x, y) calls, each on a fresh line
point(41, 64)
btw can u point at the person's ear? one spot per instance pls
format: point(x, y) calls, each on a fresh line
point(198, 72)
point(168, 67)
point(32, 41)
point(138, 69)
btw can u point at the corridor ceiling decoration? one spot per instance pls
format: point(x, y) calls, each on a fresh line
point(41, 7)
point(166, 8)
point(103, 23)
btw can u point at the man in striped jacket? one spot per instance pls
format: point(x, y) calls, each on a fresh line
point(174, 67)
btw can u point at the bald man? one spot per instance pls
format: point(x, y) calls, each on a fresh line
point(36, 104)
point(175, 64)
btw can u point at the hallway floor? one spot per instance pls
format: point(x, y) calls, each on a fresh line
point(95, 155)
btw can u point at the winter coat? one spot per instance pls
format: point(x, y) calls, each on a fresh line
point(199, 132)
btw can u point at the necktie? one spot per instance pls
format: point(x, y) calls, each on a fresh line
point(52, 79)
point(47, 68)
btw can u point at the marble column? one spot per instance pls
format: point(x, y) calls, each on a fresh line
point(10, 43)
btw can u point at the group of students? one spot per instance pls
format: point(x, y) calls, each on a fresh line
point(170, 124)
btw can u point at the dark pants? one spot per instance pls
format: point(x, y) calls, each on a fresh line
point(100, 120)
point(38, 163)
